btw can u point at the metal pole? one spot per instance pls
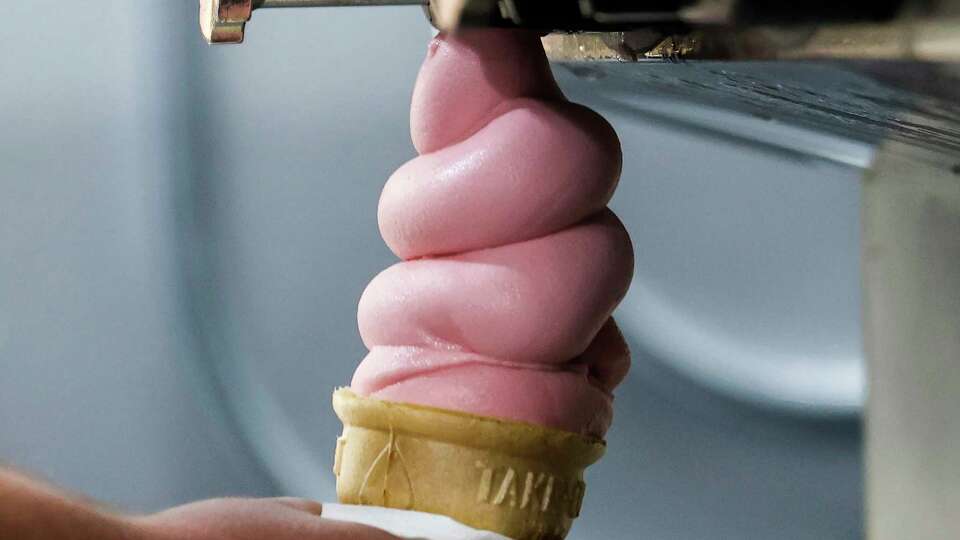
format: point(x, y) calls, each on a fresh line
point(911, 277)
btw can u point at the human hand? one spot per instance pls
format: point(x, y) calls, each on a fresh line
point(254, 519)
point(33, 510)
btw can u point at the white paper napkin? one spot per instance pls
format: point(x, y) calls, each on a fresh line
point(406, 523)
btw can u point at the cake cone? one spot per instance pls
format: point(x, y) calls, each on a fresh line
point(520, 480)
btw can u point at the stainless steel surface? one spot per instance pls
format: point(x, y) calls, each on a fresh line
point(911, 263)
point(917, 104)
point(935, 39)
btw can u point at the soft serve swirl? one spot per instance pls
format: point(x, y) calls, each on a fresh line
point(512, 264)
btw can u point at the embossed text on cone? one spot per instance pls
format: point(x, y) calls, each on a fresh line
point(520, 480)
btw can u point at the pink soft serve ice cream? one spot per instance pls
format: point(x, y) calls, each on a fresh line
point(512, 264)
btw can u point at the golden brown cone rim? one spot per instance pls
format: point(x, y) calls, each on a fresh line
point(516, 438)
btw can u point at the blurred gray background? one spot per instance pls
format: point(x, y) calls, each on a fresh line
point(185, 232)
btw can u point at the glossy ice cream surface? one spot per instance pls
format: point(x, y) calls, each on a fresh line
point(512, 264)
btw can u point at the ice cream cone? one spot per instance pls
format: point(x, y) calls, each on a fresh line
point(520, 480)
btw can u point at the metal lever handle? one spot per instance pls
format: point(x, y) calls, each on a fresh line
point(224, 21)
